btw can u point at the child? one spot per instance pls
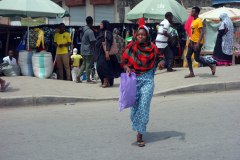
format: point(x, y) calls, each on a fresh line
point(75, 63)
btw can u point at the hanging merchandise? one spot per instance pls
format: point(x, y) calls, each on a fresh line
point(22, 44)
point(33, 38)
point(42, 64)
point(127, 36)
point(36, 38)
point(48, 33)
point(72, 38)
point(40, 38)
point(25, 62)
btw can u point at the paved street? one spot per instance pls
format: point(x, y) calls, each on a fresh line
point(185, 127)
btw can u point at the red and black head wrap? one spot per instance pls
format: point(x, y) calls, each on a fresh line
point(140, 57)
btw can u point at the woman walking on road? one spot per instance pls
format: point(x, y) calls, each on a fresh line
point(141, 57)
point(108, 66)
point(224, 44)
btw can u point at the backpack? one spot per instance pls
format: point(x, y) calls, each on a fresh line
point(174, 41)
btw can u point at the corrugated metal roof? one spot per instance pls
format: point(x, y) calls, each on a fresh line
point(223, 1)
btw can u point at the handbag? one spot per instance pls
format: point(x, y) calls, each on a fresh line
point(113, 49)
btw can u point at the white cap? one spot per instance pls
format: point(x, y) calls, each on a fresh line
point(75, 49)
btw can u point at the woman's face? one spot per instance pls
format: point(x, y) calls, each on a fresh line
point(101, 26)
point(142, 35)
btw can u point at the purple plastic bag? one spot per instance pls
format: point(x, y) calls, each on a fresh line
point(127, 91)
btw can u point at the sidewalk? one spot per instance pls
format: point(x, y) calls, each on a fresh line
point(34, 91)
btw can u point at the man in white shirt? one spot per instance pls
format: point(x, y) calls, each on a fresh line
point(10, 59)
point(162, 40)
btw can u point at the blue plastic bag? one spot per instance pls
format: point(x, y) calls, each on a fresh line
point(127, 91)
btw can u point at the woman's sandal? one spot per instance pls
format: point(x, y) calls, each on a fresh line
point(105, 85)
point(189, 76)
point(4, 87)
point(140, 143)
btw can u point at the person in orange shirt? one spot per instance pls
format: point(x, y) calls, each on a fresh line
point(196, 43)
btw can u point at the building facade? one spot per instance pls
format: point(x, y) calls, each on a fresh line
point(112, 10)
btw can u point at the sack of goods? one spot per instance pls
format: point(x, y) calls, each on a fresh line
point(7, 69)
point(25, 63)
point(16, 70)
point(42, 64)
point(209, 59)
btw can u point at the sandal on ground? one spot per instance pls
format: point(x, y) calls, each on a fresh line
point(213, 70)
point(4, 87)
point(173, 70)
point(140, 143)
point(105, 85)
point(91, 82)
point(78, 80)
point(189, 76)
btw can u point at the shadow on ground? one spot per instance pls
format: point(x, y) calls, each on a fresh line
point(206, 75)
point(10, 89)
point(151, 137)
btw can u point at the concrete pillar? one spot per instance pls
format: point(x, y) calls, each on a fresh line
point(66, 20)
point(90, 10)
point(116, 13)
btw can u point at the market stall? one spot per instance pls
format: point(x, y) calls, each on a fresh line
point(212, 22)
point(153, 9)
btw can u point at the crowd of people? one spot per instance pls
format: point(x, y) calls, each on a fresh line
point(167, 40)
point(140, 56)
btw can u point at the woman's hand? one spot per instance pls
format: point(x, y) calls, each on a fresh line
point(161, 65)
point(107, 56)
point(127, 69)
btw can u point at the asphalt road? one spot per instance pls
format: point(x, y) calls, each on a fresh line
point(185, 127)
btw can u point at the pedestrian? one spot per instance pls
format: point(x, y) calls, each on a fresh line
point(120, 44)
point(162, 40)
point(141, 56)
point(108, 66)
point(173, 43)
point(224, 44)
point(3, 85)
point(87, 51)
point(196, 43)
point(61, 41)
point(10, 59)
point(76, 62)
point(183, 39)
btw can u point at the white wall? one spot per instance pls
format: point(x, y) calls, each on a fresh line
point(89, 12)
point(116, 13)
point(65, 19)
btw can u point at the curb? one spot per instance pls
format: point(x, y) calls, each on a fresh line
point(50, 100)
